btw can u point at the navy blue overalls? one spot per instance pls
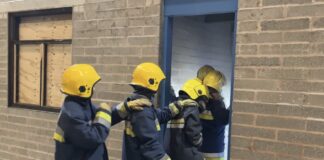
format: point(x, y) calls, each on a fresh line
point(214, 119)
point(141, 136)
point(82, 130)
point(183, 135)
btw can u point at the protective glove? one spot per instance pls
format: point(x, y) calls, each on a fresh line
point(177, 106)
point(105, 107)
point(135, 105)
point(138, 104)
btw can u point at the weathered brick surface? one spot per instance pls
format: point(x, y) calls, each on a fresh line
point(112, 35)
point(291, 24)
point(279, 81)
point(116, 36)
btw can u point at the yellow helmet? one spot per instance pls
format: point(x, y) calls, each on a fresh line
point(194, 88)
point(79, 79)
point(215, 80)
point(148, 75)
point(203, 71)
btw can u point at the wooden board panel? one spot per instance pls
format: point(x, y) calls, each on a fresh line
point(55, 27)
point(29, 74)
point(59, 57)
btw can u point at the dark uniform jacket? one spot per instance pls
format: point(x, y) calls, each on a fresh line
point(141, 136)
point(183, 135)
point(81, 133)
point(214, 119)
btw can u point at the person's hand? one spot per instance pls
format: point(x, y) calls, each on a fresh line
point(105, 107)
point(139, 104)
point(134, 105)
point(186, 103)
point(177, 106)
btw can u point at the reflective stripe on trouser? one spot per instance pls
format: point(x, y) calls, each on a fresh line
point(206, 115)
point(59, 135)
point(129, 128)
point(103, 118)
point(214, 156)
point(165, 157)
point(176, 123)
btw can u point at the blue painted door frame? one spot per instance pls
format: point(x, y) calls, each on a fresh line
point(174, 8)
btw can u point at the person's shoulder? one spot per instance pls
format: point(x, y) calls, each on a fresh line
point(216, 101)
point(73, 109)
point(146, 113)
point(192, 110)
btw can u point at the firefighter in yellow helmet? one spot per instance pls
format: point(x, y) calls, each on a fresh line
point(214, 118)
point(203, 71)
point(142, 128)
point(184, 131)
point(82, 127)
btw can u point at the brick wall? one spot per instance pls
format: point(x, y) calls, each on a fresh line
point(112, 35)
point(24, 134)
point(115, 36)
point(279, 82)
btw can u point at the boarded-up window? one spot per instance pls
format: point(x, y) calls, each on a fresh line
point(46, 27)
point(30, 59)
point(41, 48)
point(59, 57)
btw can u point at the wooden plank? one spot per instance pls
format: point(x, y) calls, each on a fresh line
point(59, 57)
point(42, 79)
point(15, 74)
point(54, 27)
point(29, 74)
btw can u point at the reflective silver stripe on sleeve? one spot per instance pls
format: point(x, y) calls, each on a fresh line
point(170, 125)
point(176, 123)
point(59, 135)
point(102, 121)
point(103, 118)
point(206, 115)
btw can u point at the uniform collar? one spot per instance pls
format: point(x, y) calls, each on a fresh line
point(81, 101)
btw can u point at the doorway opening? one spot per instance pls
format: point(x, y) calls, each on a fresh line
point(203, 40)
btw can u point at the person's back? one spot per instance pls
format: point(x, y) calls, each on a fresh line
point(183, 134)
point(215, 118)
point(142, 128)
point(142, 134)
point(82, 128)
point(79, 144)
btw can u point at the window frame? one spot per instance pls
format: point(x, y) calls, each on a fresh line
point(13, 57)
